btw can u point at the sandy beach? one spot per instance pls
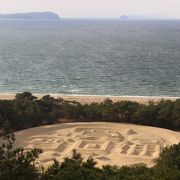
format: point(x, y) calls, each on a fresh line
point(98, 98)
point(108, 143)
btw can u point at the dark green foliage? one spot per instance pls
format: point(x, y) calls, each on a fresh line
point(72, 109)
point(147, 115)
point(15, 163)
point(73, 168)
point(27, 111)
point(168, 164)
point(176, 114)
point(128, 173)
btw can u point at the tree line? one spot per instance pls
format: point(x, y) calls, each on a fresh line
point(26, 111)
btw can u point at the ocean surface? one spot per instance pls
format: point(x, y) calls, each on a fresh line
point(94, 57)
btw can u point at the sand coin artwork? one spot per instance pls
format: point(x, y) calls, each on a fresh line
point(107, 143)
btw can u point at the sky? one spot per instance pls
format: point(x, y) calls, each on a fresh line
point(94, 8)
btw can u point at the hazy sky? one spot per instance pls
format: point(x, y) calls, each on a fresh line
point(94, 8)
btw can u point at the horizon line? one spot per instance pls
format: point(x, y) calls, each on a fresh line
point(129, 17)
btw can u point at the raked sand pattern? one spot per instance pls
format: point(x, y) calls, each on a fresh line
point(108, 143)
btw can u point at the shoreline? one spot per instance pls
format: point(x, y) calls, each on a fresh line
point(96, 98)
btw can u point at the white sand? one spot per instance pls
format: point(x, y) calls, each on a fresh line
point(97, 98)
point(108, 143)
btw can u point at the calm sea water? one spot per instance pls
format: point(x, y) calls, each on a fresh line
point(90, 57)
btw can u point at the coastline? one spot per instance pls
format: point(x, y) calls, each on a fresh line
point(87, 99)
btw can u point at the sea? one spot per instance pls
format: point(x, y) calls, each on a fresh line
point(91, 57)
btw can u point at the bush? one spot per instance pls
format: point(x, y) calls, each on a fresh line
point(16, 163)
point(27, 111)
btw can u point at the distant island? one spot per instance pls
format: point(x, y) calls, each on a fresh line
point(142, 17)
point(30, 16)
point(124, 17)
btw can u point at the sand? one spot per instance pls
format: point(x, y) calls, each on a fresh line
point(98, 98)
point(108, 143)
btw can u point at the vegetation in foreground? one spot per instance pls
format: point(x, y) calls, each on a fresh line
point(27, 111)
point(18, 164)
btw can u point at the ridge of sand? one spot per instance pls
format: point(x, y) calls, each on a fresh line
point(108, 143)
point(97, 98)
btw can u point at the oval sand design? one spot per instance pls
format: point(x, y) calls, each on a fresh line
point(108, 143)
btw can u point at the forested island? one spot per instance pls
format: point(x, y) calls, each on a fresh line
point(30, 16)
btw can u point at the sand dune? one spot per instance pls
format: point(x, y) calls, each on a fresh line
point(108, 143)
